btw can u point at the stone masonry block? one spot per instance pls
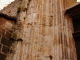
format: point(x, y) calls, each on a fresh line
point(5, 49)
point(2, 31)
point(5, 41)
point(2, 21)
point(2, 56)
point(8, 34)
point(0, 47)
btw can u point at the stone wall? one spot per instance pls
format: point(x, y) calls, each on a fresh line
point(6, 29)
point(69, 3)
point(46, 32)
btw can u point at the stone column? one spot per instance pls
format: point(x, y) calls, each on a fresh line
point(45, 33)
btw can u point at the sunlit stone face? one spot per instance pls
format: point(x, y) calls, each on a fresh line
point(4, 3)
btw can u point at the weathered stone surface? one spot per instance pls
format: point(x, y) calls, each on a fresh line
point(5, 41)
point(2, 31)
point(0, 46)
point(7, 26)
point(42, 32)
point(2, 56)
point(5, 49)
point(11, 9)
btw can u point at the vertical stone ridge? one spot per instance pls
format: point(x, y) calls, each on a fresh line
point(44, 31)
point(17, 45)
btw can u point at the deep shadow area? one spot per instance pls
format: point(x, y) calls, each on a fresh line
point(76, 24)
point(77, 43)
point(76, 35)
point(8, 17)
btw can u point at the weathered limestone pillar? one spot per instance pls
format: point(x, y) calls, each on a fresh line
point(45, 33)
point(54, 37)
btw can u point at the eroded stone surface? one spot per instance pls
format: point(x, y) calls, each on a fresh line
point(44, 31)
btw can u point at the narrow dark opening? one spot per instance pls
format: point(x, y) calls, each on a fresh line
point(77, 43)
point(76, 24)
point(76, 35)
